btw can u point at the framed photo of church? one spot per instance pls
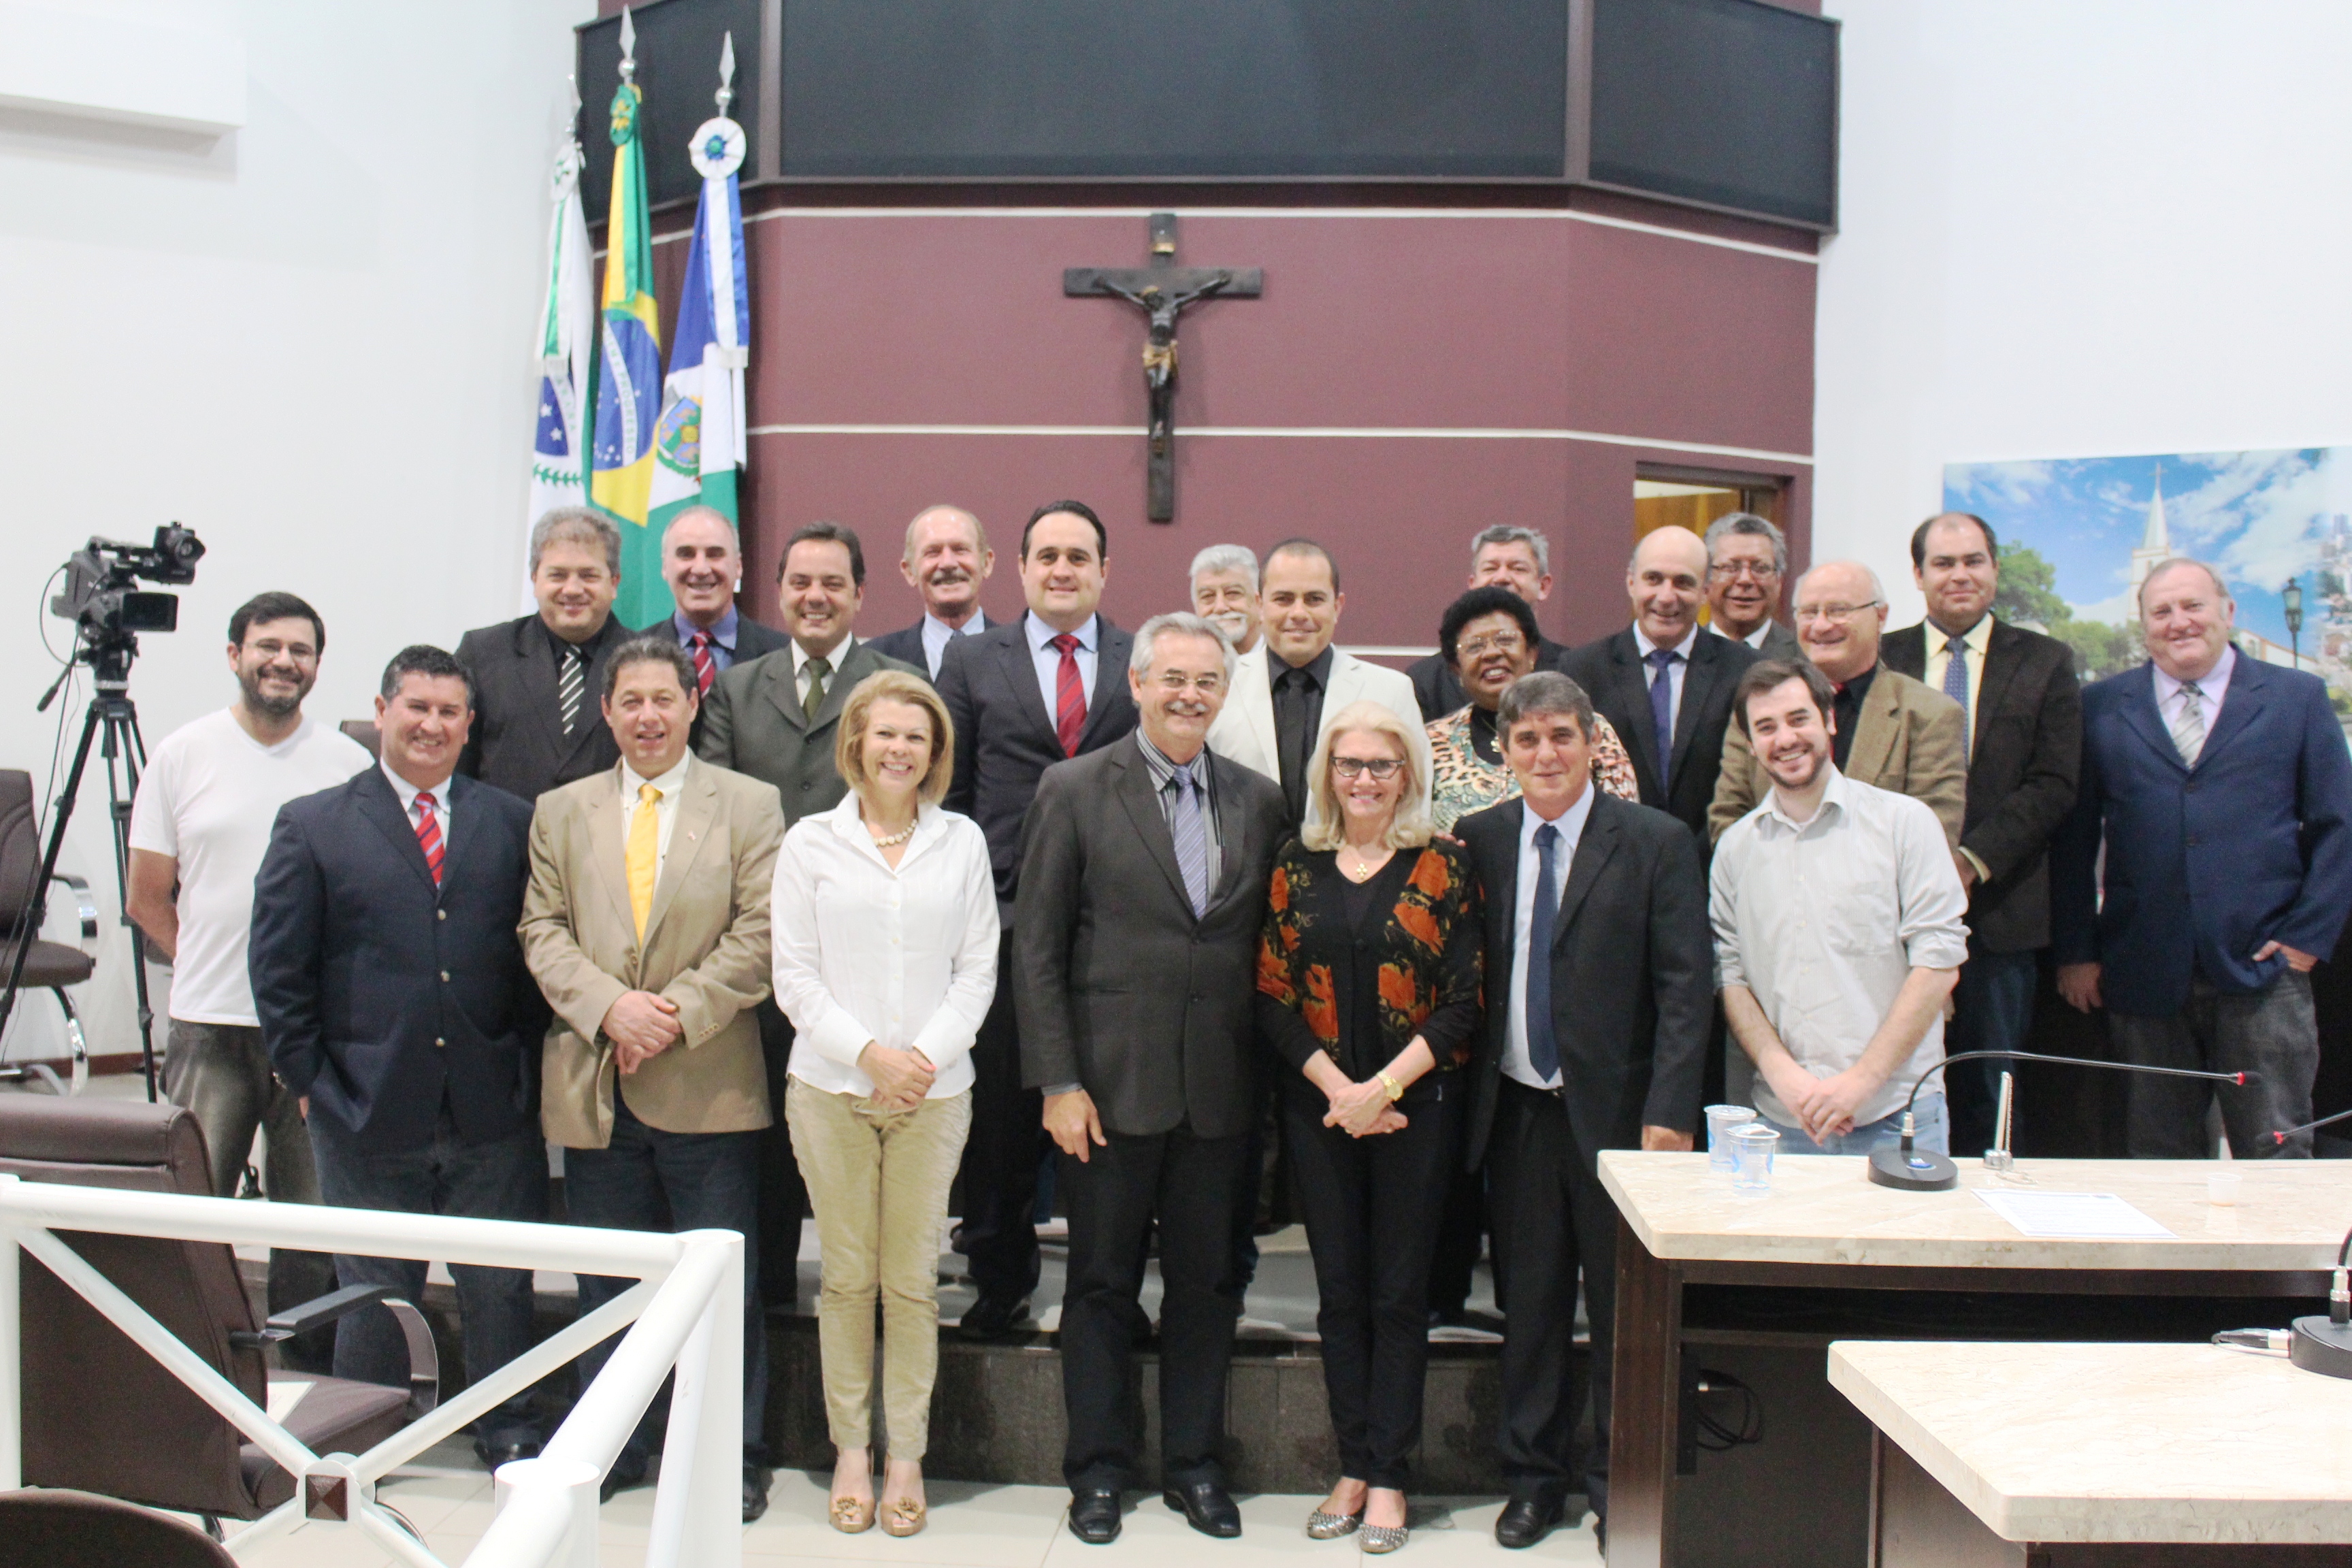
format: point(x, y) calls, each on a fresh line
point(2078, 536)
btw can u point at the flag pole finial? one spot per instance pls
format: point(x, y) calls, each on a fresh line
point(726, 94)
point(628, 46)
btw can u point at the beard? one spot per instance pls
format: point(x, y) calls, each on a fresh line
point(1816, 761)
point(255, 700)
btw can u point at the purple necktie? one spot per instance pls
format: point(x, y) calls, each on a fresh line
point(1662, 707)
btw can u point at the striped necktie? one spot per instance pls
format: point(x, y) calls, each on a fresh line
point(1069, 695)
point(428, 834)
point(706, 669)
point(571, 685)
point(2188, 728)
point(1188, 826)
point(1955, 686)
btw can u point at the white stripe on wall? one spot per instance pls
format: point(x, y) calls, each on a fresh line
point(1319, 433)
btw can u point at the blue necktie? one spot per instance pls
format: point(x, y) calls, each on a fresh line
point(1189, 828)
point(1662, 707)
point(1543, 1051)
point(1955, 686)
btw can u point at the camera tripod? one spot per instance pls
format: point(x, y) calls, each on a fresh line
point(113, 722)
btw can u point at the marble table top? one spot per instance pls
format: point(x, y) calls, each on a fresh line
point(2289, 1214)
point(2115, 1442)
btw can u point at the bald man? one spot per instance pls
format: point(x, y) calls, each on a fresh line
point(1665, 686)
point(945, 560)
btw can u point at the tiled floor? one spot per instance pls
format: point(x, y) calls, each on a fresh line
point(448, 1498)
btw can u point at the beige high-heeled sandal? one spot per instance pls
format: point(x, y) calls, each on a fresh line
point(852, 1516)
point(903, 1516)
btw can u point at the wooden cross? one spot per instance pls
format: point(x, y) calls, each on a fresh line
point(1161, 291)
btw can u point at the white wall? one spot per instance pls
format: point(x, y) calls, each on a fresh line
point(2090, 228)
point(310, 341)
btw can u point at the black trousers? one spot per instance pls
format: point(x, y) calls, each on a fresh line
point(1552, 1220)
point(1001, 1154)
point(2273, 1034)
point(1374, 1208)
point(783, 1195)
point(1191, 1186)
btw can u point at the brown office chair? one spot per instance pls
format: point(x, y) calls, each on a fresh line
point(366, 733)
point(50, 966)
point(100, 1414)
point(41, 1528)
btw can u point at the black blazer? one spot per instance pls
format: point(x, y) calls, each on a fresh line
point(1439, 689)
point(751, 640)
point(906, 645)
point(1612, 672)
point(379, 993)
point(1120, 988)
point(517, 742)
point(2024, 763)
point(1006, 739)
point(1633, 979)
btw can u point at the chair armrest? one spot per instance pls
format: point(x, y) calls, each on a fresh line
point(84, 905)
point(423, 1356)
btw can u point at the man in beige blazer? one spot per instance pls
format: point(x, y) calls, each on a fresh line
point(1891, 731)
point(647, 926)
point(1293, 681)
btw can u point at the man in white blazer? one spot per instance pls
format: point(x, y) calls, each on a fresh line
point(1293, 681)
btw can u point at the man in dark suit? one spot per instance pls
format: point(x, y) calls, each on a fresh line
point(2023, 750)
point(1746, 563)
point(1143, 884)
point(1047, 688)
point(535, 679)
point(1666, 687)
point(1599, 1007)
point(1502, 556)
point(394, 999)
point(775, 718)
point(947, 558)
point(2220, 790)
point(702, 561)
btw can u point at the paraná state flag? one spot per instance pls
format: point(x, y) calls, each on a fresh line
point(699, 444)
point(566, 345)
point(629, 374)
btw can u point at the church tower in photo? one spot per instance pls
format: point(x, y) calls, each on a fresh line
point(2155, 542)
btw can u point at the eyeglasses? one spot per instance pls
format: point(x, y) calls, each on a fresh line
point(1174, 681)
point(1479, 648)
point(1381, 768)
point(1755, 571)
point(1834, 612)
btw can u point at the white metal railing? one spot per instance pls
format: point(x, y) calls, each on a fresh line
point(686, 1312)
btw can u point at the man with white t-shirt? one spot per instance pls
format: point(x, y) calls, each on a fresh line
point(198, 831)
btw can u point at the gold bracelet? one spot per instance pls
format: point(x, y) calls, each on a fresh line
point(1396, 1089)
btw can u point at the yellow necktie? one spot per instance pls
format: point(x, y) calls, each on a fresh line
point(645, 852)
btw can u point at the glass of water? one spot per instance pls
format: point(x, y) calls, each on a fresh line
point(1722, 1121)
point(1753, 1145)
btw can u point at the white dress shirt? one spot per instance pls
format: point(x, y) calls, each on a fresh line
point(937, 634)
point(664, 808)
point(903, 956)
point(1674, 671)
point(2212, 686)
point(1824, 921)
point(801, 656)
point(1049, 659)
point(1517, 1064)
point(408, 793)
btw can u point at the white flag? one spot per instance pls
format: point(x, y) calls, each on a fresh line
point(567, 338)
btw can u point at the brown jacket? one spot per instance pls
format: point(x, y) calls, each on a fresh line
point(705, 948)
point(1909, 740)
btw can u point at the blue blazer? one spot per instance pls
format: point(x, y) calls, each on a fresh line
point(379, 993)
point(2206, 864)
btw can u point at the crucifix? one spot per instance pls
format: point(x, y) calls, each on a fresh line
point(1160, 291)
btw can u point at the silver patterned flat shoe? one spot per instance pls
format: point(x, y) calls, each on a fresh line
point(1381, 1538)
point(1321, 1526)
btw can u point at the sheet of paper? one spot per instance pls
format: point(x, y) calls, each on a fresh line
point(2092, 1215)
point(284, 1396)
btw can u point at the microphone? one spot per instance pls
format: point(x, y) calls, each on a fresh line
point(2280, 1138)
point(1911, 1170)
point(2325, 1344)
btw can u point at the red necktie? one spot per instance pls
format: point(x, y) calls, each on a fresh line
point(428, 834)
point(1069, 696)
point(706, 669)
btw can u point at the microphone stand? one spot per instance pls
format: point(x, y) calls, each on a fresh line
point(1913, 1170)
point(2325, 1344)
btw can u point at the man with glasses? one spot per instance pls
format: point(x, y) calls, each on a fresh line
point(1746, 559)
point(1888, 730)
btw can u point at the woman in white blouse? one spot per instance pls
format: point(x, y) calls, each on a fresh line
point(885, 922)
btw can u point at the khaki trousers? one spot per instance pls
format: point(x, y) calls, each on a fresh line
point(879, 1185)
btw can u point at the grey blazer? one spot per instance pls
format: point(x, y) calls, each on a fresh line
point(751, 722)
point(1120, 988)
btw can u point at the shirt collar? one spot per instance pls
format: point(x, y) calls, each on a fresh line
point(723, 634)
point(1316, 670)
point(1834, 795)
point(2214, 681)
point(1976, 640)
point(834, 660)
point(978, 623)
point(1642, 641)
point(1040, 634)
point(1569, 823)
point(668, 784)
point(1164, 769)
point(408, 792)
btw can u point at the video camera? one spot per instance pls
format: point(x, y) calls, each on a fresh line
point(99, 596)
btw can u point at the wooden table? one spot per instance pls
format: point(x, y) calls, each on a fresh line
point(1824, 1229)
point(1995, 1456)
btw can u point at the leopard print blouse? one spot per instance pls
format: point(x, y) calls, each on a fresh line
point(1462, 782)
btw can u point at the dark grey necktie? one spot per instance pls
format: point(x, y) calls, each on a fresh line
point(1188, 825)
point(1292, 743)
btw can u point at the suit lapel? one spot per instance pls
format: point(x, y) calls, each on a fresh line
point(1633, 698)
point(380, 806)
point(1018, 666)
point(783, 691)
point(534, 653)
point(1231, 830)
point(1698, 685)
point(1112, 648)
point(1873, 729)
point(1142, 807)
point(852, 670)
point(698, 813)
point(2003, 655)
point(1592, 852)
point(1255, 680)
point(2140, 711)
point(607, 847)
point(591, 716)
point(2240, 706)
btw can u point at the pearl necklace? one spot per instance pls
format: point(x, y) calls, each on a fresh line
point(895, 838)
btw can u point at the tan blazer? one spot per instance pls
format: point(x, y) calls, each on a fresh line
point(705, 948)
point(1909, 740)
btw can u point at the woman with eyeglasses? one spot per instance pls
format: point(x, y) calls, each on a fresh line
point(1489, 637)
point(1368, 990)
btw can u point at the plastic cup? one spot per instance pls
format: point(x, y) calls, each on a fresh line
point(1722, 1121)
point(2221, 1189)
point(1753, 1145)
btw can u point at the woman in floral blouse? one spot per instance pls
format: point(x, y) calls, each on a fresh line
point(1368, 989)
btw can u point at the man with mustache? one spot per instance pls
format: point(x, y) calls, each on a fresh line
point(198, 832)
point(1747, 560)
point(1503, 556)
point(1838, 931)
point(702, 561)
point(1224, 592)
point(947, 559)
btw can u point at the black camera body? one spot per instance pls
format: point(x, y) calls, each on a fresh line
point(99, 596)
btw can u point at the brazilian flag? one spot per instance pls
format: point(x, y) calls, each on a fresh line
point(629, 374)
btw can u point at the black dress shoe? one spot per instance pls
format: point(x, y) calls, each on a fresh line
point(1207, 1507)
point(626, 1473)
point(493, 1454)
point(992, 1317)
point(756, 1480)
point(1601, 1536)
point(1094, 1514)
point(1526, 1520)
